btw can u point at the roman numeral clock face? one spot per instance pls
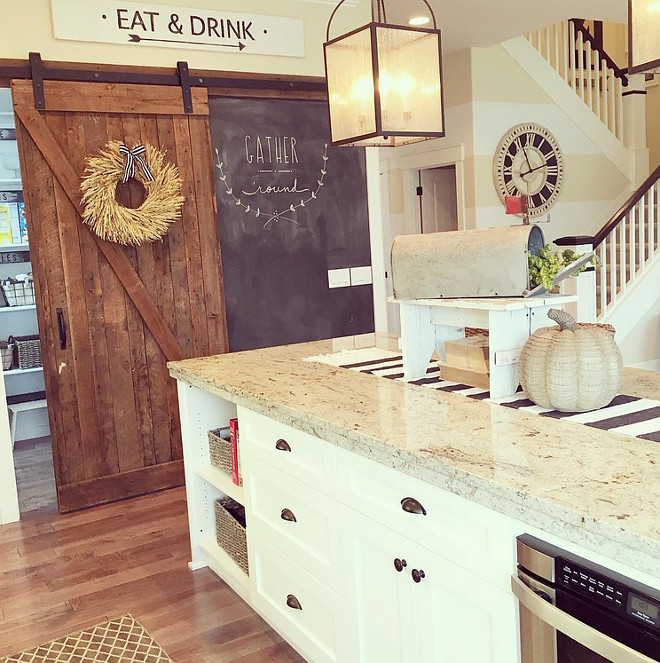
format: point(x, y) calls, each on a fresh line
point(528, 162)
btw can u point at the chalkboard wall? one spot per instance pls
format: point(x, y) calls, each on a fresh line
point(290, 207)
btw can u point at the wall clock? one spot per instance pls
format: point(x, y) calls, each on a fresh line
point(529, 162)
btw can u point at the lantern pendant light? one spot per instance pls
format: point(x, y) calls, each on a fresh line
point(643, 36)
point(384, 82)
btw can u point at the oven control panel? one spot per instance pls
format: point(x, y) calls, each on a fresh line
point(608, 593)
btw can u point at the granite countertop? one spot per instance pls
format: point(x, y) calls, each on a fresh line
point(597, 489)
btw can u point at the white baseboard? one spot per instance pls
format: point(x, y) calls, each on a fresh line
point(652, 365)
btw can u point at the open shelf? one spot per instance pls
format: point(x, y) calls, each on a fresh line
point(15, 247)
point(224, 566)
point(27, 307)
point(218, 479)
point(14, 181)
point(22, 371)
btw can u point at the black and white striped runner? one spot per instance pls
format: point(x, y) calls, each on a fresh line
point(629, 415)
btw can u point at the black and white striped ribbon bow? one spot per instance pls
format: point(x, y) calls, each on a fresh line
point(131, 157)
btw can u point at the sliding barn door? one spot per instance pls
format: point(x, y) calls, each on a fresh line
point(110, 316)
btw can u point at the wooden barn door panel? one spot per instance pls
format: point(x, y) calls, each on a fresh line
point(112, 406)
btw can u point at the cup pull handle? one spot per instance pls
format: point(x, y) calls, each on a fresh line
point(287, 514)
point(411, 505)
point(293, 602)
point(282, 445)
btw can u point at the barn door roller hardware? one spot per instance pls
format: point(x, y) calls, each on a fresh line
point(184, 78)
point(37, 71)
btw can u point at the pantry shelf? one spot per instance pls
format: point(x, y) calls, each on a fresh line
point(26, 307)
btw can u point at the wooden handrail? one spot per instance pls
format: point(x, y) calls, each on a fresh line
point(621, 214)
point(587, 36)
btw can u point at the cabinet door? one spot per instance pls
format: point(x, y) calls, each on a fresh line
point(449, 616)
point(380, 601)
point(460, 618)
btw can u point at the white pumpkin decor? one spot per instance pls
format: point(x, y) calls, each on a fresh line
point(573, 367)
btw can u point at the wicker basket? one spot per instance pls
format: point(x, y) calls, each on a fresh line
point(7, 353)
point(229, 532)
point(220, 449)
point(27, 351)
point(19, 294)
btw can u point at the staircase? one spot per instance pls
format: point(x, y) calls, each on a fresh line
point(627, 277)
point(573, 53)
point(626, 280)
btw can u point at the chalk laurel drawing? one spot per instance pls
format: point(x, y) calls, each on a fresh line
point(277, 214)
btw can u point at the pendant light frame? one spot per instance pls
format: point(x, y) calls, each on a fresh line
point(652, 66)
point(379, 21)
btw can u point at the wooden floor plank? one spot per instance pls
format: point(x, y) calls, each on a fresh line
point(62, 573)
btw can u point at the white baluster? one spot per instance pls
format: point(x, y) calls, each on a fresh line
point(556, 29)
point(612, 102)
point(619, 108)
point(623, 256)
point(652, 202)
point(613, 273)
point(571, 55)
point(589, 77)
point(539, 41)
point(564, 47)
point(602, 253)
point(580, 66)
point(597, 83)
point(641, 215)
point(603, 78)
point(632, 238)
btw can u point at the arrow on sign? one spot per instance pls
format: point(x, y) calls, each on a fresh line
point(136, 39)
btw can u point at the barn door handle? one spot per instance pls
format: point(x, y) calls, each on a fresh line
point(293, 602)
point(282, 445)
point(287, 514)
point(411, 505)
point(61, 326)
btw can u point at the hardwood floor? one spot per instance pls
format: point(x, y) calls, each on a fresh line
point(59, 574)
point(35, 479)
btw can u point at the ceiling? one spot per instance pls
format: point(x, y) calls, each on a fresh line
point(483, 22)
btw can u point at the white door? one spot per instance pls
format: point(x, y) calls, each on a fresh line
point(379, 599)
point(432, 611)
point(461, 618)
point(8, 494)
point(438, 201)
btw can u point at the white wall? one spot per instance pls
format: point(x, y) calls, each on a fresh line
point(28, 27)
point(642, 344)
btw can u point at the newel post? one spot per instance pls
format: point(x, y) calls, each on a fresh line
point(634, 126)
point(583, 285)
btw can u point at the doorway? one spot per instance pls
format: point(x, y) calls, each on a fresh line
point(23, 374)
point(438, 201)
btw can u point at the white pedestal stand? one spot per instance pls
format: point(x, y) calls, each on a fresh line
point(427, 323)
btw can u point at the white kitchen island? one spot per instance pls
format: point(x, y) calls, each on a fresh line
point(406, 503)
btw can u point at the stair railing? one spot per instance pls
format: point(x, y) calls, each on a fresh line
point(625, 246)
point(578, 58)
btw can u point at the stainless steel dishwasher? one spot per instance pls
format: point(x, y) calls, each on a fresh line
point(575, 611)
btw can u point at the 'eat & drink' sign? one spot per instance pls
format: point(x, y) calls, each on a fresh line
point(116, 22)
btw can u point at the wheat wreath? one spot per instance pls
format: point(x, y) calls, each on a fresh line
point(117, 163)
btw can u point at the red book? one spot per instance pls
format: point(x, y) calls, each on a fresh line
point(235, 464)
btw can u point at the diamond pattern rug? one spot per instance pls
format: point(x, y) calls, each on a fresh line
point(121, 640)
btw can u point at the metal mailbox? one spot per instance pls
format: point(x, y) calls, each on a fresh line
point(487, 262)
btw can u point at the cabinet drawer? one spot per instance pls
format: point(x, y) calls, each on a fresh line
point(451, 526)
point(296, 519)
point(299, 454)
point(300, 608)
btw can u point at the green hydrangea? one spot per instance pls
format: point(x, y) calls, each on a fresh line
point(544, 267)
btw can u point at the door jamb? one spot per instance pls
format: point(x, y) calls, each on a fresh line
point(411, 165)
